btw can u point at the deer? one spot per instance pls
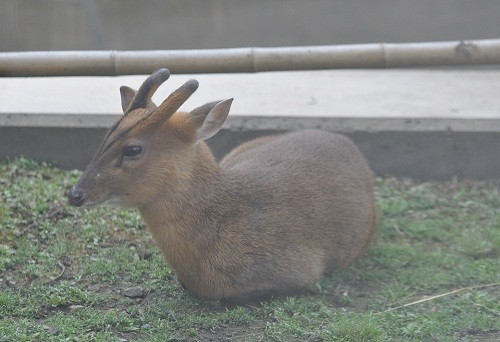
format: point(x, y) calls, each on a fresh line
point(274, 216)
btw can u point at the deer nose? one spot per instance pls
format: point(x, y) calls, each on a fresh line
point(75, 197)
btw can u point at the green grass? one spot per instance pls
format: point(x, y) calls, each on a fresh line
point(63, 272)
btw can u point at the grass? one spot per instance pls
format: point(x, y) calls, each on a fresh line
point(64, 273)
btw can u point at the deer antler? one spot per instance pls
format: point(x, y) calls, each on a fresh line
point(147, 89)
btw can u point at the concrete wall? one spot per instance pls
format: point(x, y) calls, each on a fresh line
point(419, 155)
point(185, 24)
point(426, 124)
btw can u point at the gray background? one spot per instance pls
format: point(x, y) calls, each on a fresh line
point(186, 24)
point(27, 25)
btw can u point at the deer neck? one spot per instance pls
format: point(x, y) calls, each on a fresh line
point(200, 186)
point(181, 224)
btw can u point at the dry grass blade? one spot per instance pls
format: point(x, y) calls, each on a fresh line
point(60, 275)
point(427, 299)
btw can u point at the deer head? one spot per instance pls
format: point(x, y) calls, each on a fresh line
point(151, 150)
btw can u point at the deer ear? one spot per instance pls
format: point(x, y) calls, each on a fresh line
point(127, 95)
point(210, 118)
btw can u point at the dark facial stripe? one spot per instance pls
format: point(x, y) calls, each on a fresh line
point(140, 101)
point(107, 144)
point(143, 95)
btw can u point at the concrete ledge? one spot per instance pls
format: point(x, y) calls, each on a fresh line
point(426, 124)
point(284, 123)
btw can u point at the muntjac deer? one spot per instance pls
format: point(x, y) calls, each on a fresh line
point(270, 219)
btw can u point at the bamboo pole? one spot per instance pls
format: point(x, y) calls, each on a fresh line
point(112, 63)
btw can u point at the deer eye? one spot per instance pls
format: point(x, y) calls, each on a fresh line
point(132, 151)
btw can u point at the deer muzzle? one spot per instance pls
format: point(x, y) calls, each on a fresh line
point(75, 197)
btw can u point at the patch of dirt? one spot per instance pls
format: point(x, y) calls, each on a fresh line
point(353, 296)
point(130, 336)
point(253, 332)
point(480, 336)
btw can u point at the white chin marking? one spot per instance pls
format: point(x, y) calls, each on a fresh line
point(115, 202)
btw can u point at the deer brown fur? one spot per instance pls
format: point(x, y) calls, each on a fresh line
point(270, 219)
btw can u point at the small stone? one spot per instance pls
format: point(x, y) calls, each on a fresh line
point(73, 308)
point(145, 255)
point(94, 288)
point(133, 292)
point(50, 329)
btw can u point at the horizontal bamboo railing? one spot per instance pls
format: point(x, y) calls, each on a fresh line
point(111, 63)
